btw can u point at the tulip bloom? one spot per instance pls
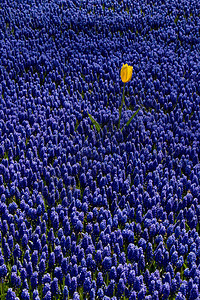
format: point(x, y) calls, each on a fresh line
point(126, 73)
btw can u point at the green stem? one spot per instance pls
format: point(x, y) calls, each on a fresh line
point(2, 290)
point(120, 108)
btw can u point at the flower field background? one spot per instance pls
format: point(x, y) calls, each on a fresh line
point(112, 214)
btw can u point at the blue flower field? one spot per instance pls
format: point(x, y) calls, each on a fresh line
point(99, 179)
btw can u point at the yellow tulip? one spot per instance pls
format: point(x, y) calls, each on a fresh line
point(126, 73)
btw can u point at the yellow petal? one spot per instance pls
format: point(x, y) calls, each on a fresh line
point(123, 72)
point(126, 73)
point(130, 72)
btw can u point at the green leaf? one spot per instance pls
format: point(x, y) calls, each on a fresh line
point(95, 123)
point(76, 125)
point(131, 118)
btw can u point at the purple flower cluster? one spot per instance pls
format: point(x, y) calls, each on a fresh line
point(99, 215)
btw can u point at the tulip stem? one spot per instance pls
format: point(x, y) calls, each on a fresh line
point(120, 108)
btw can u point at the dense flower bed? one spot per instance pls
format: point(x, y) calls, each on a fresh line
point(99, 215)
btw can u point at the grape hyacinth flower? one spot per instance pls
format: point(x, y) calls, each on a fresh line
point(25, 295)
point(10, 295)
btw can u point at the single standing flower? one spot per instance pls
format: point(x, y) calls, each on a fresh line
point(126, 75)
